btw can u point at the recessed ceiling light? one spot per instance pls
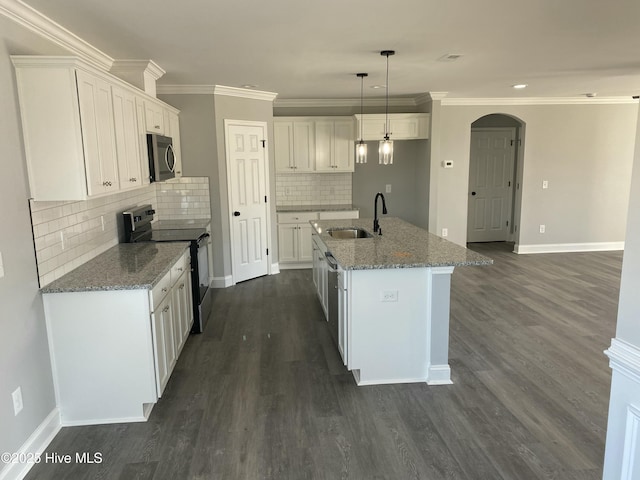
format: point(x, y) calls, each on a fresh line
point(378, 86)
point(248, 85)
point(520, 86)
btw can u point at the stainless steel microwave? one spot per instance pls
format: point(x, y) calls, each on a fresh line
point(162, 160)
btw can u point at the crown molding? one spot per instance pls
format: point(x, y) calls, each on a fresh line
point(537, 101)
point(38, 23)
point(433, 96)
point(342, 102)
point(138, 66)
point(244, 93)
point(186, 89)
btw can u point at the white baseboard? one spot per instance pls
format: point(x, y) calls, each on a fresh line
point(35, 445)
point(568, 247)
point(295, 266)
point(222, 282)
point(439, 375)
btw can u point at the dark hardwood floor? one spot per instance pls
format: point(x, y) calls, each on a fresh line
point(262, 393)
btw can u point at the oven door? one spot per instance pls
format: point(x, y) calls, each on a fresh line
point(200, 282)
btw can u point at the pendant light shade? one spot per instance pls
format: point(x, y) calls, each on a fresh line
point(361, 147)
point(385, 151)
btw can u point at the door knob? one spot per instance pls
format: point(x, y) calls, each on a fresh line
point(473, 193)
point(236, 214)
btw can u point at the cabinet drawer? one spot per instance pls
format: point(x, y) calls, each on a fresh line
point(297, 217)
point(160, 290)
point(343, 214)
point(180, 267)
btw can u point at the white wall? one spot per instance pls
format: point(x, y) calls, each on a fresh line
point(584, 151)
point(622, 459)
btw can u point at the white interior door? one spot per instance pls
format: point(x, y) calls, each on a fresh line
point(490, 184)
point(247, 183)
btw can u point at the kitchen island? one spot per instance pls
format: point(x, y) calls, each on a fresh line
point(393, 300)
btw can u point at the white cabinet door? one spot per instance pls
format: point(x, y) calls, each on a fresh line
point(141, 131)
point(343, 315)
point(315, 252)
point(98, 137)
point(154, 117)
point(304, 242)
point(343, 146)
point(334, 145)
point(324, 145)
point(283, 146)
point(127, 138)
point(304, 146)
point(183, 308)
point(288, 243)
point(161, 345)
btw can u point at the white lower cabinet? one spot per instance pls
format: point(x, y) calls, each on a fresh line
point(320, 273)
point(343, 315)
point(113, 351)
point(294, 236)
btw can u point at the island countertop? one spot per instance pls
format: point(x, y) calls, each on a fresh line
point(126, 266)
point(401, 245)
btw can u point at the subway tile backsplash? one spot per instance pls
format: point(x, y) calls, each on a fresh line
point(68, 234)
point(313, 189)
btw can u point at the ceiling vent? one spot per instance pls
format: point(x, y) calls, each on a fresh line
point(450, 57)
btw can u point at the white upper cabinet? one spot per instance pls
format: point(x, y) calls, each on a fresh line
point(84, 129)
point(127, 138)
point(295, 148)
point(402, 126)
point(314, 144)
point(98, 135)
point(154, 117)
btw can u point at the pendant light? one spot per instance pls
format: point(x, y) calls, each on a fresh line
point(385, 151)
point(361, 147)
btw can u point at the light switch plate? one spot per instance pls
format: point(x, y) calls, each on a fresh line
point(388, 188)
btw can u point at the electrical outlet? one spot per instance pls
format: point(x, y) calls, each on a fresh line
point(543, 228)
point(1, 266)
point(545, 184)
point(102, 222)
point(445, 232)
point(389, 296)
point(388, 188)
point(17, 401)
point(62, 239)
point(287, 191)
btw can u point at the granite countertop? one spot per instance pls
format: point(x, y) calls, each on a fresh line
point(189, 223)
point(314, 208)
point(401, 245)
point(126, 266)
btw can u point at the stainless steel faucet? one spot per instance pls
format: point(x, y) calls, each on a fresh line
point(376, 224)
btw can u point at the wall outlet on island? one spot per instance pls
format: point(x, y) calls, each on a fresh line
point(389, 296)
point(445, 232)
point(543, 228)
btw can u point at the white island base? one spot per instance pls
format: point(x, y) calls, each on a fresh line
point(396, 325)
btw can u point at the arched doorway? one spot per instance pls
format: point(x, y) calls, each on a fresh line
point(495, 177)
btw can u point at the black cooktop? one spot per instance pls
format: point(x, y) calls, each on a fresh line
point(177, 234)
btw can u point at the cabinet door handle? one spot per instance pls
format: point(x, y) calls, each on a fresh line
point(166, 309)
point(133, 179)
point(164, 290)
point(157, 127)
point(180, 269)
point(182, 287)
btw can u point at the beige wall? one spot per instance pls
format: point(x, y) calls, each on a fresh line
point(584, 151)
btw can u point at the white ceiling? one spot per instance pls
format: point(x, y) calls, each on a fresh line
point(303, 49)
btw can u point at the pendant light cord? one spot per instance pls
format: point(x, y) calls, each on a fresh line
point(386, 111)
point(361, 107)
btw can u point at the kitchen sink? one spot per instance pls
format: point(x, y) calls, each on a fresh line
point(349, 233)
